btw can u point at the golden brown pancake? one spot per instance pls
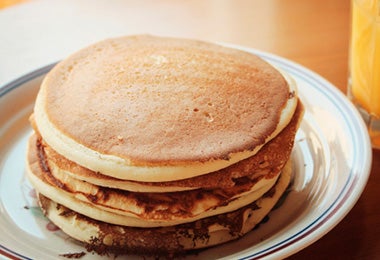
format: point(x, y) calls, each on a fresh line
point(161, 145)
point(144, 209)
point(152, 208)
point(157, 109)
point(267, 162)
point(105, 238)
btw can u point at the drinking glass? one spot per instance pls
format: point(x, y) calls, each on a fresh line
point(364, 64)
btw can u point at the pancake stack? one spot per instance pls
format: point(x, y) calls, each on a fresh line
point(158, 146)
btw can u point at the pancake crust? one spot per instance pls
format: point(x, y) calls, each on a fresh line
point(140, 209)
point(268, 161)
point(161, 102)
point(105, 238)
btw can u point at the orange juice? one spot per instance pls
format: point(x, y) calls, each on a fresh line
point(6, 3)
point(364, 87)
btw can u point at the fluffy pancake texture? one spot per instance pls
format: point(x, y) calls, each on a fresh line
point(157, 145)
point(184, 108)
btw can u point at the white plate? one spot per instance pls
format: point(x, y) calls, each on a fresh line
point(332, 157)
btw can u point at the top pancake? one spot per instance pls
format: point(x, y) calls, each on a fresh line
point(268, 161)
point(159, 109)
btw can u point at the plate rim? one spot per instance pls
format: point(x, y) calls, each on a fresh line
point(336, 210)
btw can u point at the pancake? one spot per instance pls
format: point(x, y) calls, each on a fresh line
point(148, 209)
point(104, 238)
point(140, 209)
point(267, 162)
point(158, 145)
point(161, 109)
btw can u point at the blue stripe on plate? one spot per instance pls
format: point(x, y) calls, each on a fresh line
point(12, 253)
point(333, 95)
point(316, 82)
point(20, 81)
point(4, 90)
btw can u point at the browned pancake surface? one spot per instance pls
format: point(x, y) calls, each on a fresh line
point(165, 101)
point(267, 162)
point(163, 206)
point(168, 241)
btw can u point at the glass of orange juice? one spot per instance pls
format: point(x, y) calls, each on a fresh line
point(364, 78)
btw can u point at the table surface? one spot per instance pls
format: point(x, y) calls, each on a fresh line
point(312, 33)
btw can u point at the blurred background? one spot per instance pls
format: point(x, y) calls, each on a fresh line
point(313, 33)
point(38, 32)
